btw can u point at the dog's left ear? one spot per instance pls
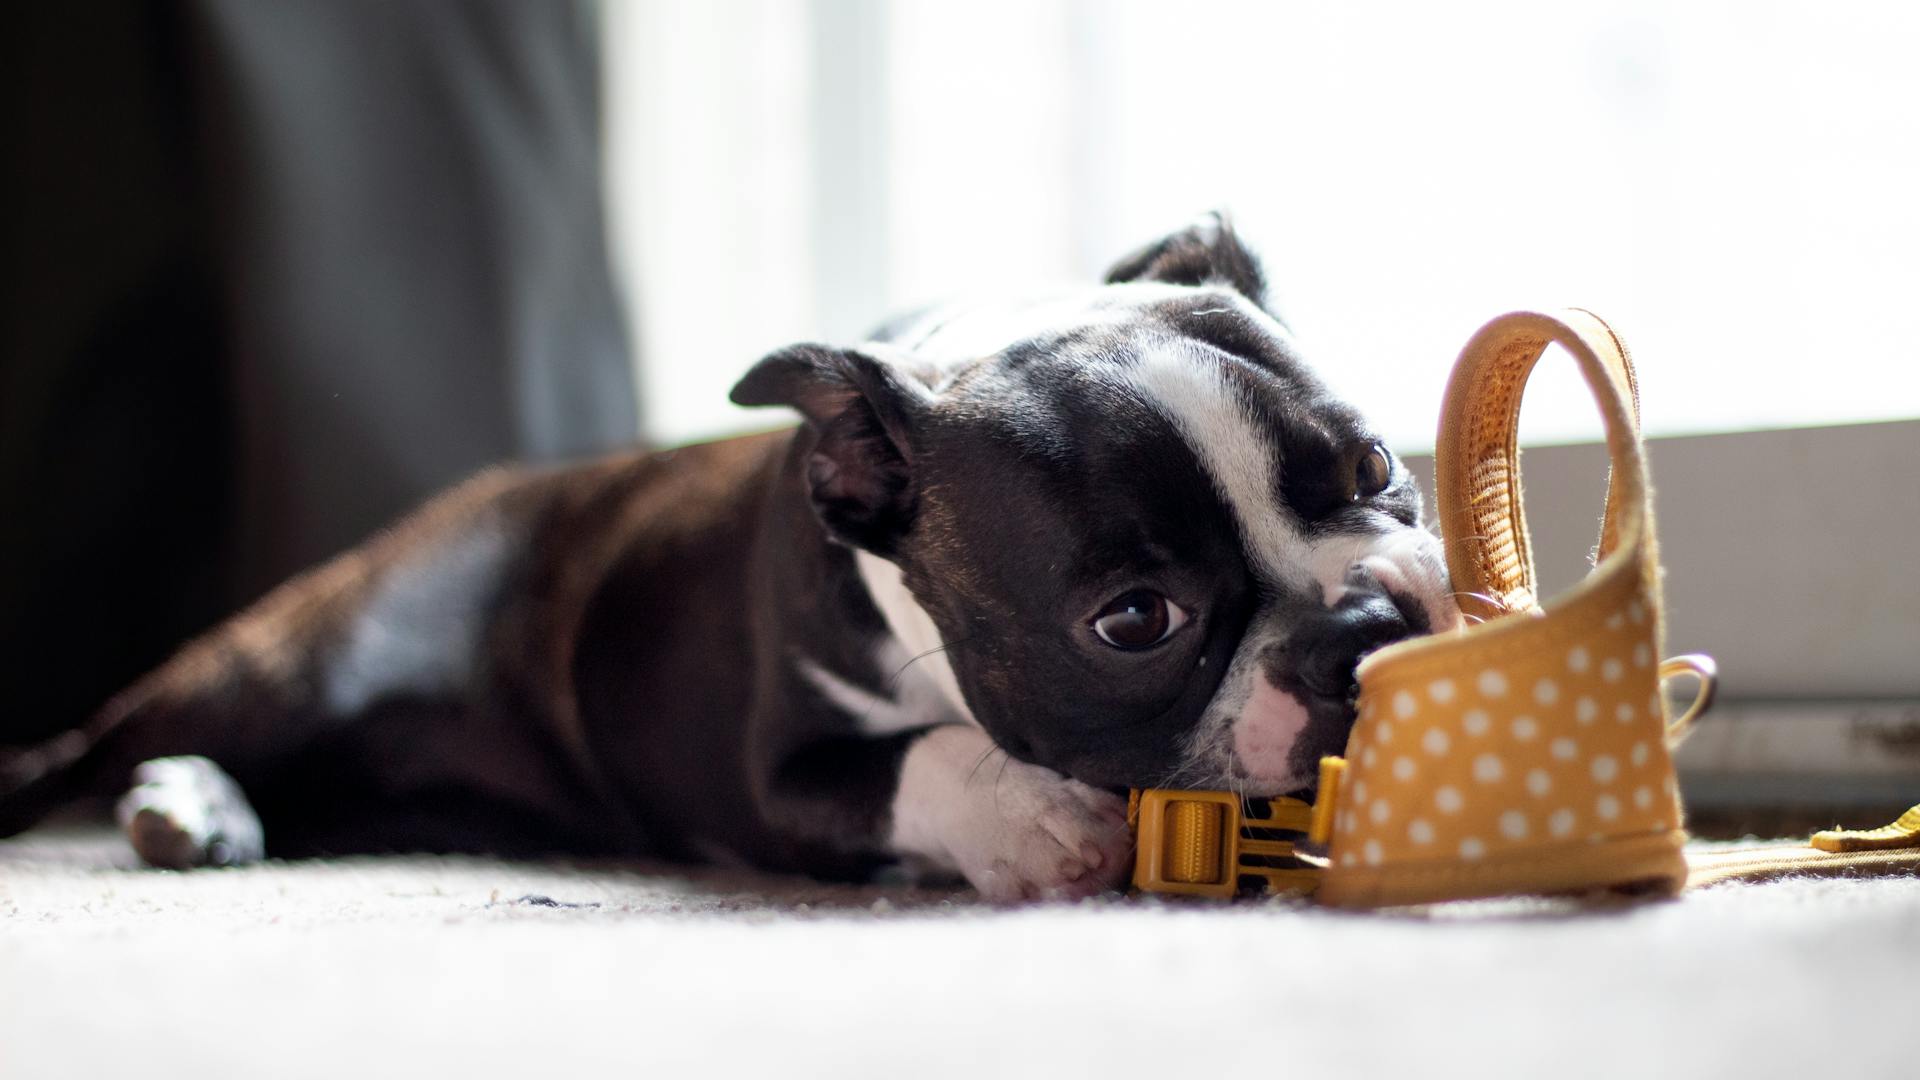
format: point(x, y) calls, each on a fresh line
point(863, 412)
point(1205, 253)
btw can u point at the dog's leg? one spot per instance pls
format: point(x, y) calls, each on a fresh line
point(1017, 831)
point(185, 812)
point(218, 698)
point(395, 618)
point(242, 695)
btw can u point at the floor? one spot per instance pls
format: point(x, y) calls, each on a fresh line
point(473, 967)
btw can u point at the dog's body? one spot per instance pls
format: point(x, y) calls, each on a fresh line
point(1015, 561)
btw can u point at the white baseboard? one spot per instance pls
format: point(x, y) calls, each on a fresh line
point(1803, 753)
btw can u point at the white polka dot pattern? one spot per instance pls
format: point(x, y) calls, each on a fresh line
point(1513, 825)
point(1500, 755)
point(1560, 822)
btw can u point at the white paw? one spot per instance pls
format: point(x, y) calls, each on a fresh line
point(1017, 831)
point(184, 812)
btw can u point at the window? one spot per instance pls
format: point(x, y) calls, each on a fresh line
point(1731, 184)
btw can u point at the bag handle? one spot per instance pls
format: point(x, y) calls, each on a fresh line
point(1477, 460)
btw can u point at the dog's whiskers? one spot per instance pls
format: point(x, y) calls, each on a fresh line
point(989, 752)
point(1490, 601)
point(890, 686)
point(893, 680)
point(1005, 759)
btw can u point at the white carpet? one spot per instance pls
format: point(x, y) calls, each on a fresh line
point(456, 967)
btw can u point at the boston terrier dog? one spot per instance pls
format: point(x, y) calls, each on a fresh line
point(1015, 560)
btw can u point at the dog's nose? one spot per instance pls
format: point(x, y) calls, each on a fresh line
point(1360, 623)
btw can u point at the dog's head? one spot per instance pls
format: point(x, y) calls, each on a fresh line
point(1151, 540)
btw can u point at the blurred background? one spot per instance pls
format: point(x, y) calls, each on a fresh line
point(272, 271)
point(1732, 183)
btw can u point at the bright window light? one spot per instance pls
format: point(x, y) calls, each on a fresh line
point(1732, 185)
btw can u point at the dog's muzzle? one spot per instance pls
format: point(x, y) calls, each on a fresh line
point(1331, 645)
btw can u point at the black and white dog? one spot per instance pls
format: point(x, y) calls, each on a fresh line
point(1015, 561)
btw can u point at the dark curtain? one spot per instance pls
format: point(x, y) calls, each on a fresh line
point(272, 272)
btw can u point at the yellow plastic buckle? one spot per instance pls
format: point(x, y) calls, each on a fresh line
point(1206, 843)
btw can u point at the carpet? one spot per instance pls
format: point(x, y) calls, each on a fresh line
point(464, 967)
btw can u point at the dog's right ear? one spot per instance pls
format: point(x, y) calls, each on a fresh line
point(1208, 252)
point(864, 412)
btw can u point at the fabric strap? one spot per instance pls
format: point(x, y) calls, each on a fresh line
point(1477, 461)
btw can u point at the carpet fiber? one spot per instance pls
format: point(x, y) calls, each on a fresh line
point(474, 967)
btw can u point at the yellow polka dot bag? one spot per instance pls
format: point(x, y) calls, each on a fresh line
point(1528, 753)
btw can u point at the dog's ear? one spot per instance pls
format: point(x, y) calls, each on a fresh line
point(1208, 252)
point(863, 412)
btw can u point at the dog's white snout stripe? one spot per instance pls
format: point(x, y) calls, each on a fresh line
point(1192, 388)
point(1245, 736)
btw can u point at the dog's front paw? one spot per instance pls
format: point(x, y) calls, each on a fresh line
point(1034, 834)
point(1017, 831)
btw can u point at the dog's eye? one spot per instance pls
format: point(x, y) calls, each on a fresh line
point(1138, 620)
point(1374, 472)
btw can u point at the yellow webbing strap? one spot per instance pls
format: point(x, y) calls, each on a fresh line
point(1893, 849)
point(1903, 833)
